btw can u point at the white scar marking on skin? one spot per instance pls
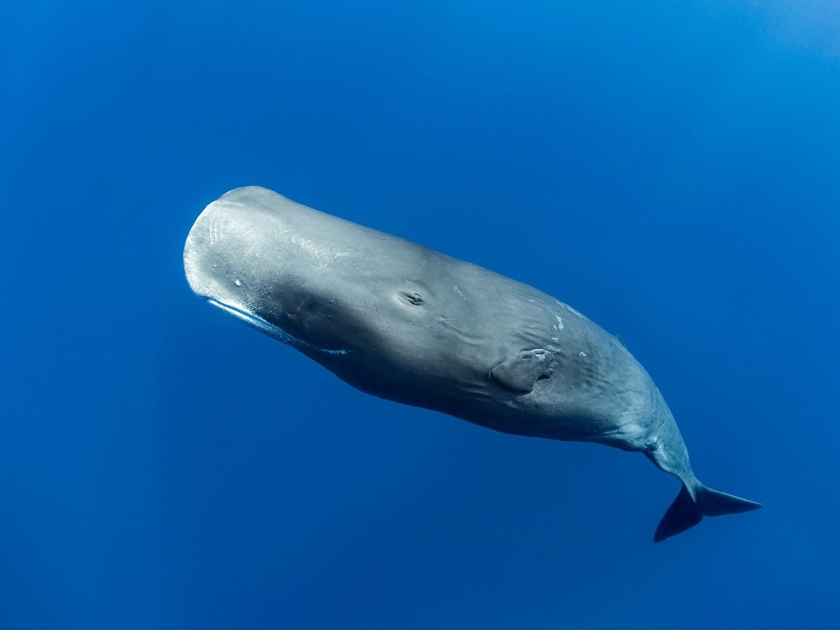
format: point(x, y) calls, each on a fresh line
point(323, 256)
point(559, 325)
point(458, 291)
point(571, 310)
point(582, 353)
point(216, 231)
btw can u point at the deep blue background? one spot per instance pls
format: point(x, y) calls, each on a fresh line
point(671, 169)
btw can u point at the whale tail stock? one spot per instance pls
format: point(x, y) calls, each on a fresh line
point(691, 506)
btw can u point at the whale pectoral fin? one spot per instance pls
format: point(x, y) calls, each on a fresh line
point(521, 373)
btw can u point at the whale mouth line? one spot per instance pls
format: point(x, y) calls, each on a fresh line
point(268, 328)
point(249, 318)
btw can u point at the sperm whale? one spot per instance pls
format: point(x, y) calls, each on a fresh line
point(409, 324)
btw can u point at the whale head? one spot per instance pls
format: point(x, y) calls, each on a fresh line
point(276, 267)
point(371, 307)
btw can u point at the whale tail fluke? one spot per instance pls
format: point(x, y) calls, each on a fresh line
point(686, 511)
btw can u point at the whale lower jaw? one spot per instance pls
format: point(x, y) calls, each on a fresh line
point(254, 321)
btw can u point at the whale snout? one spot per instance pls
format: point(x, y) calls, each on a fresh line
point(225, 251)
point(252, 264)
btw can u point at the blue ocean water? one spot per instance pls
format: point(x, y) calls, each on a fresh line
point(672, 170)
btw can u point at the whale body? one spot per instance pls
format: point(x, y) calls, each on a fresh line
point(407, 323)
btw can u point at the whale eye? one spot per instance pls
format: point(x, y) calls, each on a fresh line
point(414, 298)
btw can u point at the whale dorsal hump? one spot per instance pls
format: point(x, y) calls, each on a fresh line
point(520, 373)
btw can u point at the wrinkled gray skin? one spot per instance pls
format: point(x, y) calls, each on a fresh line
point(409, 324)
